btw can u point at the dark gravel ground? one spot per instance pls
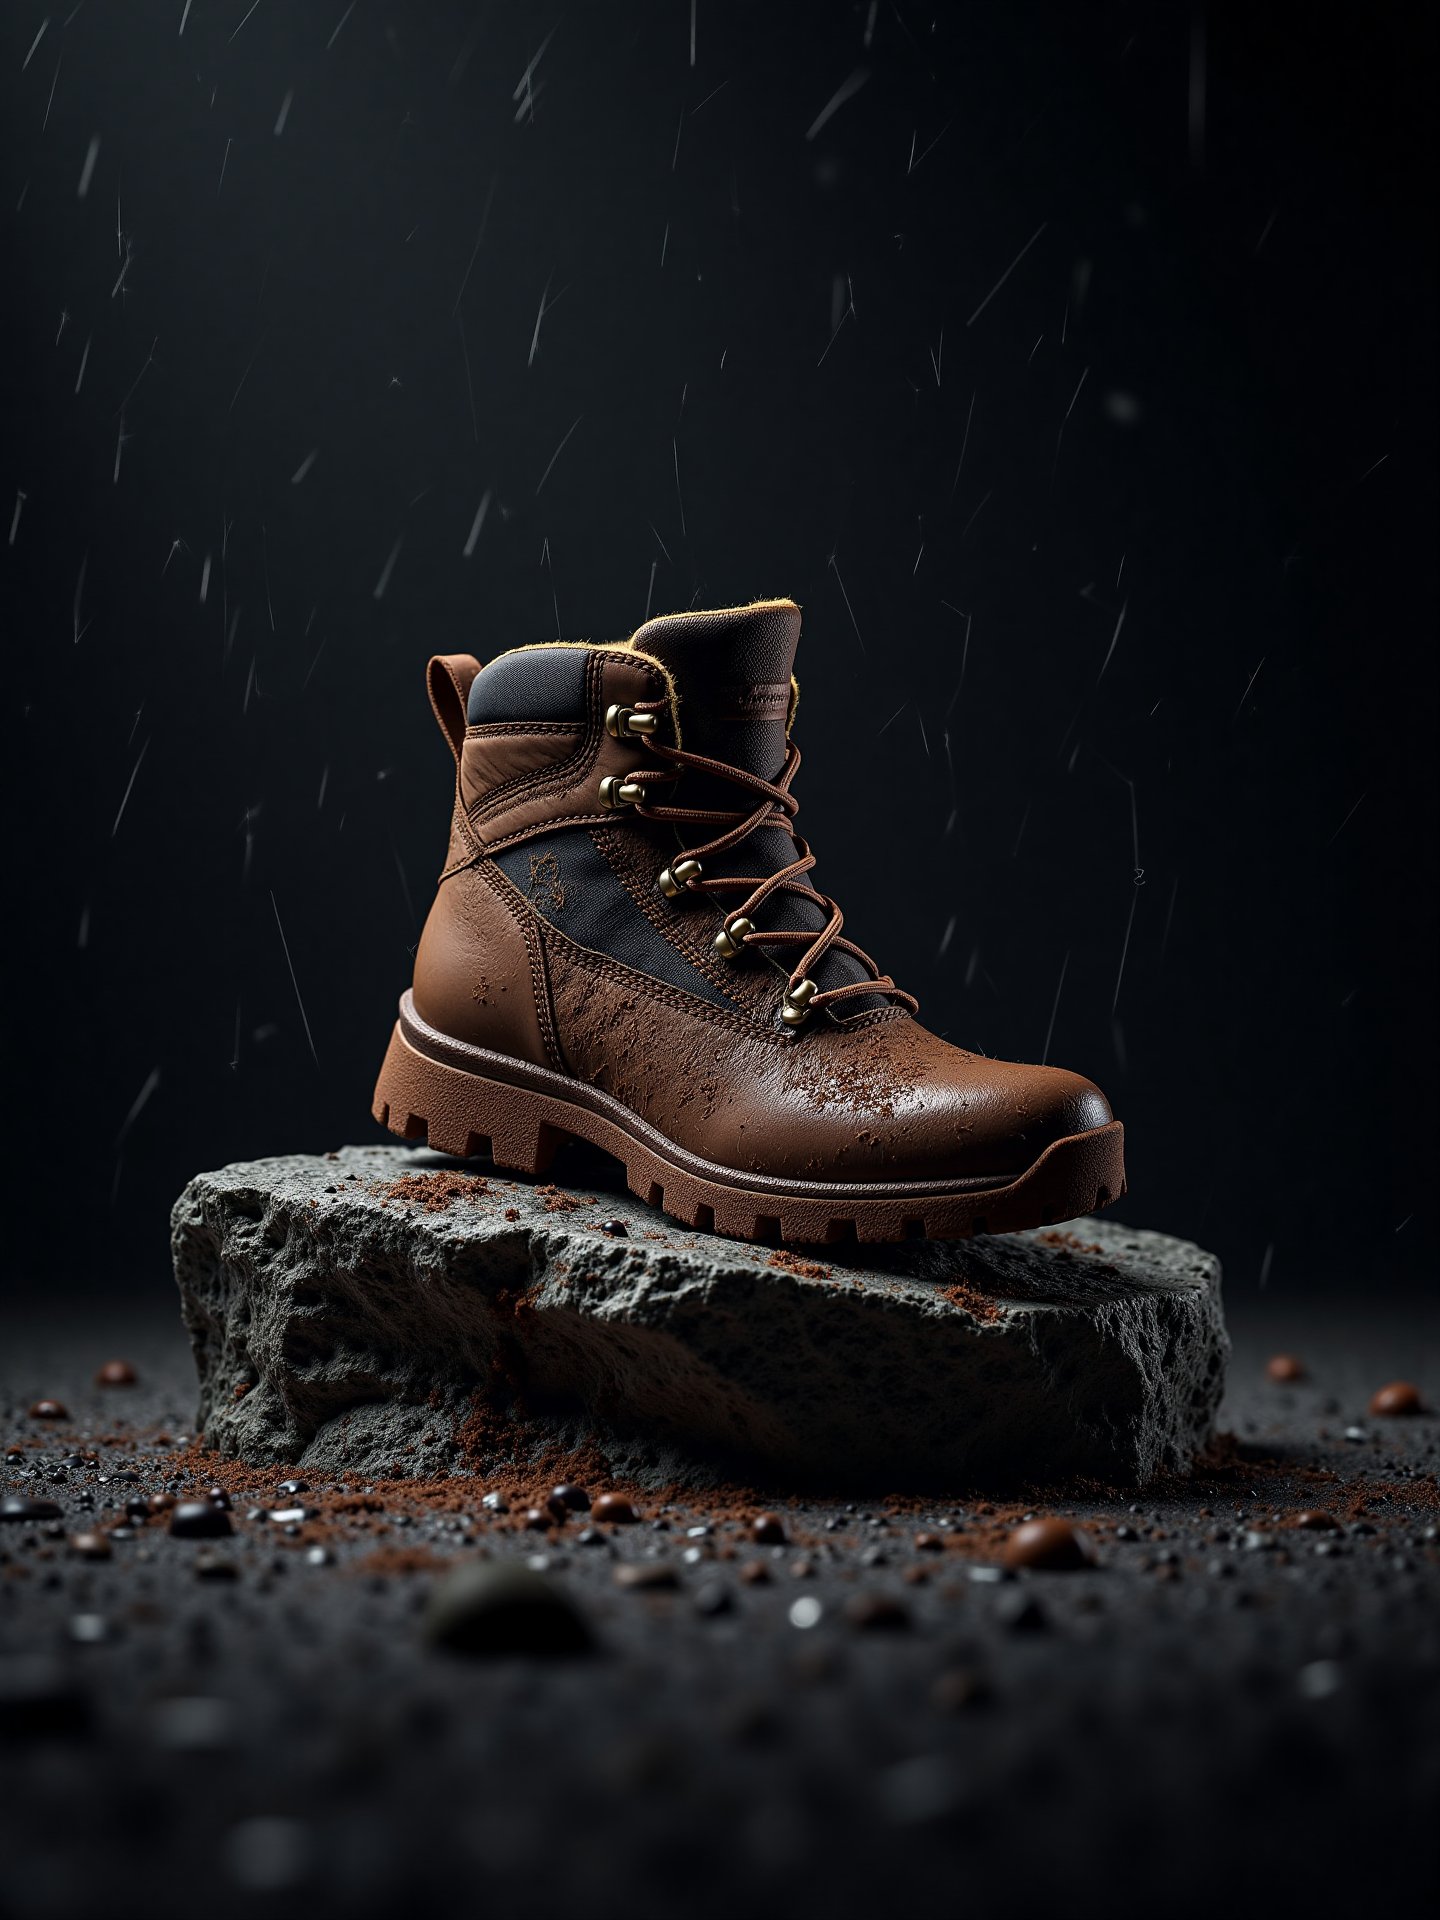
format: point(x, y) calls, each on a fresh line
point(1226, 1710)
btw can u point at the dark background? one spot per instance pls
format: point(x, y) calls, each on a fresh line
point(1174, 479)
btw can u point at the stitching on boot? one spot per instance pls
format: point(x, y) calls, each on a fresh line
point(524, 918)
point(697, 954)
point(630, 978)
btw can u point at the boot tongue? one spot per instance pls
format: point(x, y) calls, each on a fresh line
point(732, 680)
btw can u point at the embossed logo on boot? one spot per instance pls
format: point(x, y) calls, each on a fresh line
point(545, 884)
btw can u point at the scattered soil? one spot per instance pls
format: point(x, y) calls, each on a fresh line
point(437, 1191)
point(787, 1262)
point(979, 1305)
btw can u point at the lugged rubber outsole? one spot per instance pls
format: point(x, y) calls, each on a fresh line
point(463, 1100)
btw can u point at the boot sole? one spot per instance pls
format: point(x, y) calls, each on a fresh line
point(462, 1100)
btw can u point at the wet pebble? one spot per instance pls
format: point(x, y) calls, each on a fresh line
point(116, 1373)
point(269, 1855)
point(615, 1510)
point(199, 1520)
point(1315, 1521)
point(1021, 1613)
point(576, 1499)
point(1284, 1369)
point(499, 1609)
point(48, 1410)
point(958, 1689)
point(1396, 1401)
point(1051, 1545)
point(214, 1566)
point(768, 1530)
point(193, 1724)
point(90, 1546)
point(19, 1506)
point(876, 1613)
point(655, 1576)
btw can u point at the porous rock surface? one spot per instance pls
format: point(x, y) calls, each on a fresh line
point(348, 1312)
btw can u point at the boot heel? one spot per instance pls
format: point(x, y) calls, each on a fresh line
point(422, 1100)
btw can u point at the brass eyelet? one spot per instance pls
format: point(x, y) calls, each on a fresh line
point(731, 937)
point(673, 880)
point(617, 791)
point(795, 1007)
point(622, 721)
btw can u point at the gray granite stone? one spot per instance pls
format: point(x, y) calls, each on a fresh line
point(347, 1312)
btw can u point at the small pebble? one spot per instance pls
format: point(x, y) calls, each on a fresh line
point(1319, 1680)
point(218, 1497)
point(1318, 1522)
point(712, 1600)
point(269, 1855)
point(498, 1609)
point(1021, 1613)
point(755, 1573)
point(199, 1520)
point(538, 1520)
point(90, 1546)
point(1397, 1401)
point(89, 1629)
point(959, 1688)
point(292, 1487)
point(575, 1498)
point(495, 1503)
point(615, 1510)
point(18, 1507)
point(656, 1576)
point(806, 1613)
point(1284, 1369)
point(214, 1566)
point(193, 1724)
point(48, 1410)
point(876, 1613)
point(768, 1530)
point(116, 1373)
point(1051, 1545)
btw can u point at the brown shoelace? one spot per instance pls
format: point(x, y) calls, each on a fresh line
point(776, 807)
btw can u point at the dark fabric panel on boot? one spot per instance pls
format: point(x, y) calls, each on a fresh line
point(570, 883)
point(538, 683)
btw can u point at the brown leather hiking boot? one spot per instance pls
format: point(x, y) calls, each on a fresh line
point(626, 948)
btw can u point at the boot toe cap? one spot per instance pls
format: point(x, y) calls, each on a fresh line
point(996, 1118)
